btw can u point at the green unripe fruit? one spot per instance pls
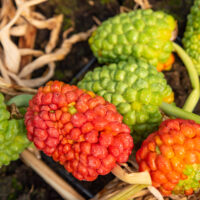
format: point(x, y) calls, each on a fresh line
point(13, 138)
point(192, 35)
point(131, 86)
point(143, 34)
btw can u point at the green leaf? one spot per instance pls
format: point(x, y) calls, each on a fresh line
point(20, 100)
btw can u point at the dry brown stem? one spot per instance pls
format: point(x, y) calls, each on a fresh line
point(19, 30)
point(144, 4)
point(36, 53)
point(11, 53)
point(19, 61)
point(63, 188)
point(38, 15)
point(27, 41)
point(58, 54)
point(7, 12)
point(96, 20)
point(123, 9)
point(67, 32)
point(54, 34)
point(132, 178)
point(38, 81)
point(35, 151)
point(4, 72)
point(14, 89)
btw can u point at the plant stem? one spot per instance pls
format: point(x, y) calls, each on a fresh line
point(56, 182)
point(193, 74)
point(174, 111)
point(128, 192)
point(132, 178)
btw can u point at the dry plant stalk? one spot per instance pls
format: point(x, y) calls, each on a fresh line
point(63, 188)
point(132, 178)
point(13, 89)
point(144, 4)
point(114, 189)
point(123, 9)
point(96, 20)
point(27, 41)
point(18, 61)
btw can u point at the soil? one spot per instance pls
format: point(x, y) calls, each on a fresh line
point(19, 182)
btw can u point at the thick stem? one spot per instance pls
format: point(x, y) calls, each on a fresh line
point(132, 178)
point(128, 192)
point(193, 74)
point(55, 181)
point(174, 111)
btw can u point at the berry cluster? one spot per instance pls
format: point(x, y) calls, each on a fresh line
point(82, 131)
point(172, 157)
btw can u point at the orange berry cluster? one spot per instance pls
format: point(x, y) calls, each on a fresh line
point(172, 157)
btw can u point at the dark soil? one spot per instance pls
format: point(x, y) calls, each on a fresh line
point(19, 182)
point(178, 78)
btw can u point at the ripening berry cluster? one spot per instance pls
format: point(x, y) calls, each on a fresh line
point(172, 157)
point(82, 131)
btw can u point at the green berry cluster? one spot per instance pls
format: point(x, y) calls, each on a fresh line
point(13, 138)
point(192, 35)
point(143, 34)
point(193, 177)
point(136, 88)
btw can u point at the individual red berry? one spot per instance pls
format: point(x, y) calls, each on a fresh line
point(106, 139)
point(109, 161)
point(94, 162)
point(40, 134)
point(53, 132)
point(71, 96)
point(38, 122)
point(92, 136)
point(78, 119)
point(100, 123)
point(66, 148)
point(46, 98)
point(87, 127)
point(85, 147)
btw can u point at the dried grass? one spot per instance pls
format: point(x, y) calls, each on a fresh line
point(19, 61)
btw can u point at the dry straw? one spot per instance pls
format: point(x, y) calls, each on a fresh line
point(18, 61)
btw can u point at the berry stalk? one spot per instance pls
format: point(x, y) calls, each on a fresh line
point(193, 75)
point(132, 178)
point(174, 111)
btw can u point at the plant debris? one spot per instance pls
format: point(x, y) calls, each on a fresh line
point(18, 61)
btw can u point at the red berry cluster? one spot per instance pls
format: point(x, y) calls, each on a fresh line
point(82, 131)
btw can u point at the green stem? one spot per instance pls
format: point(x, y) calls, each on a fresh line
point(193, 74)
point(128, 192)
point(174, 111)
point(20, 100)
